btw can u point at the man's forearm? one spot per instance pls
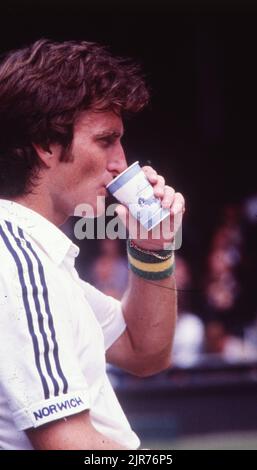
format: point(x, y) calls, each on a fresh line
point(76, 432)
point(150, 309)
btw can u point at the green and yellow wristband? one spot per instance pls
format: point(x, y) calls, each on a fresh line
point(152, 265)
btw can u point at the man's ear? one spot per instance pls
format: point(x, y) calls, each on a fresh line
point(47, 154)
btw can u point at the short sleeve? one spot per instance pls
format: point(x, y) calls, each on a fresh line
point(40, 372)
point(108, 312)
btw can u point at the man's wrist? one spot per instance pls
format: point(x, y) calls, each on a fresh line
point(151, 265)
point(146, 253)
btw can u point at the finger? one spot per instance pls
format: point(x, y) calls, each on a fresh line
point(150, 173)
point(168, 197)
point(178, 204)
point(158, 187)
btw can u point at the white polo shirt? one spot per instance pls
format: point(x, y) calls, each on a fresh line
point(55, 329)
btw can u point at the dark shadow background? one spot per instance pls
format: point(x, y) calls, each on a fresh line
point(200, 62)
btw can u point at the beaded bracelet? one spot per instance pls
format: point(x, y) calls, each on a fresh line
point(152, 265)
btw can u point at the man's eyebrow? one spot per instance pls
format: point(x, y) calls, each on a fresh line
point(109, 133)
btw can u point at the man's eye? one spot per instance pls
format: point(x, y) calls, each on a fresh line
point(107, 141)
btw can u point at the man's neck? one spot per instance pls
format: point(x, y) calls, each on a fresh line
point(43, 206)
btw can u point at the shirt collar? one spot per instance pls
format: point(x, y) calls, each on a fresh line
point(50, 238)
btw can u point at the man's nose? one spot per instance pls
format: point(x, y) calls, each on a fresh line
point(118, 163)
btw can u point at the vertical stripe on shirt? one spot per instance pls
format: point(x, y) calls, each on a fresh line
point(27, 310)
point(37, 309)
point(48, 311)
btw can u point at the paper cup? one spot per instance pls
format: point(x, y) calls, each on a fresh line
point(133, 189)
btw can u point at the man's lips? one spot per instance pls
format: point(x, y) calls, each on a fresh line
point(109, 181)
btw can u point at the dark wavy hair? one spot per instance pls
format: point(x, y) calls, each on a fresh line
point(43, 89)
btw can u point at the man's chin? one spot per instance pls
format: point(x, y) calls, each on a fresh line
point(90, 211)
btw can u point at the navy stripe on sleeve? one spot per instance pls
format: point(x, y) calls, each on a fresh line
point(28, 311)
point(37, 309)
point(48, 311)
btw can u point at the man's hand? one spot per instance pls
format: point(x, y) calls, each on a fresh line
point(164, 233)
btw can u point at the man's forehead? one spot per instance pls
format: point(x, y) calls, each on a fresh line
point(101, 122)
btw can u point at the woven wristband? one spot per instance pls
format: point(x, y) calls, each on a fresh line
point(152, 265)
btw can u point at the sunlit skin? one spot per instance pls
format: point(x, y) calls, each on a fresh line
point(96, 156)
